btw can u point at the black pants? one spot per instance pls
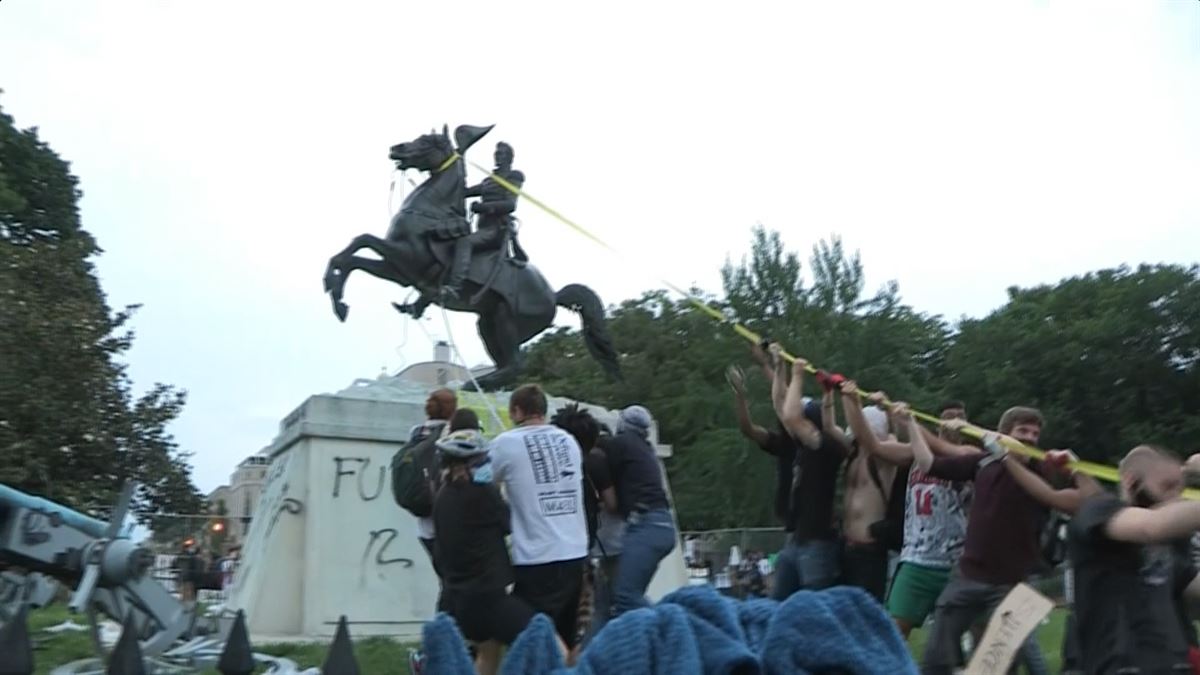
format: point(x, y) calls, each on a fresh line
point(491, 615)
point(865, 566)
point(553, 589)
point(444, 603)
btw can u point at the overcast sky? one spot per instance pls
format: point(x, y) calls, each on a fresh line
point(227, 149)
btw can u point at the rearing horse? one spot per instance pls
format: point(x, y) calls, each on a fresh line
point(513, 300)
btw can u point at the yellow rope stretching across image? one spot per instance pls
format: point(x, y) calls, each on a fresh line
point(1100, 471)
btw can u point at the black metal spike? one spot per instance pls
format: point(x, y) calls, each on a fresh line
point(16, 650)
point(340, 660)
point(126, 658)
point(237, 658)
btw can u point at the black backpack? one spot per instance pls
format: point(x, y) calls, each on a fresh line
point(1051, 540)
point(414, 469)
point(890, 530)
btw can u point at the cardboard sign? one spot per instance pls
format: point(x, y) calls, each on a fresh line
point(1013, 621)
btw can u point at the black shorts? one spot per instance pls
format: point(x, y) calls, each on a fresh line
point(553, 589)
point(865, 566)
point(494, 615)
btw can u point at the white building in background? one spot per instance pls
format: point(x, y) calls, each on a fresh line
point(441, 371)
point(241, 496)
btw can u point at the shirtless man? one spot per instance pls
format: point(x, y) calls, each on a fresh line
point(865, 496)
point(935, 516)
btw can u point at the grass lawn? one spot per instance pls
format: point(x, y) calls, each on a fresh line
point(375, 655)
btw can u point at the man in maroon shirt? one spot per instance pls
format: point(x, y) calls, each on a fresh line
point(1001, 547)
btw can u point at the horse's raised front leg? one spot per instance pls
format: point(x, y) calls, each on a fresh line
point(336, 272)
point(344, 262)
point(376, 268)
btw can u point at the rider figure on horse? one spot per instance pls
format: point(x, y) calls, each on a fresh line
point(494, 226)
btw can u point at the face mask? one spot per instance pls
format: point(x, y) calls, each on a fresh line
point(482, 473)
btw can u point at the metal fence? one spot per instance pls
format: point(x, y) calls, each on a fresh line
point(713, 549)
point(714, 546)
point(230, 656)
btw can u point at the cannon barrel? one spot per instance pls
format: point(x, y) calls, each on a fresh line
point(10, 498)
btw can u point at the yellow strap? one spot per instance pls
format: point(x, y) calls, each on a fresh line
point(1093, 469)
point(448, 163)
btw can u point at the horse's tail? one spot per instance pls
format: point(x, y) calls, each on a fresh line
point(584, 301)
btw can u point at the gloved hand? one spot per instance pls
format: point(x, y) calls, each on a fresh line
point(991, 443)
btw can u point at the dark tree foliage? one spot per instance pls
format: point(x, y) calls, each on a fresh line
point(71, 430)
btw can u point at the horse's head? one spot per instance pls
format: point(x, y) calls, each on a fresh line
point(425, 153)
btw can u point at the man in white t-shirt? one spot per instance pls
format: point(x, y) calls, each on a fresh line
point(541, 468)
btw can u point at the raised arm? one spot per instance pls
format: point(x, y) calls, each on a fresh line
point(792, 414)
point(829, 419)
point(1162, 524)
point(759, 354)
point(889, 451)
point(922, 454)
point(737, 381)
point(944, 448)
point(779, 380)
point(1066, 500)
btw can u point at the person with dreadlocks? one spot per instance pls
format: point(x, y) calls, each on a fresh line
point(472, 520)
point(600, 503)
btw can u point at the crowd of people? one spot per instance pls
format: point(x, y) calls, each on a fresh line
point(963, 516)
point(937, 525)
point(569, 514)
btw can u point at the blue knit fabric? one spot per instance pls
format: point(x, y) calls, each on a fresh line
point(445, 651)
point(697, 630)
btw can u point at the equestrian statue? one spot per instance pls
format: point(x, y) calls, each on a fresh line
point(430, 247)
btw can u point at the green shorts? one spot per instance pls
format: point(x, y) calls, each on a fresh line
point(914, 592)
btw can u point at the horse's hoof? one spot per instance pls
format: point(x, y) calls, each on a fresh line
point(341, 309)
point(409, 310)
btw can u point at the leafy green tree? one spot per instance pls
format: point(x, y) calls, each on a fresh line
point(70, 428)
point(1110, 357)
point(674, 357)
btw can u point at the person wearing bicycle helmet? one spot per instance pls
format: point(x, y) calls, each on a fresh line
point(472, 520)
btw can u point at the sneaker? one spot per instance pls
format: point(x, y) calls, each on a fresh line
point(416, 661)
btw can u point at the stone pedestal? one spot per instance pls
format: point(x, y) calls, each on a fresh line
point(328, 539)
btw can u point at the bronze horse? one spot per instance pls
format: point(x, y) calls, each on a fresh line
point(513, 300)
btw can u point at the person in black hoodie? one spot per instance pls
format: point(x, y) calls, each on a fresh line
point(472, 520)
point(642, 500)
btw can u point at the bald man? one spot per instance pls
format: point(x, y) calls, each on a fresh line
point(1128, 577)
